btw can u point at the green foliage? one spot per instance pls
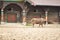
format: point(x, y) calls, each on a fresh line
point(28, 24)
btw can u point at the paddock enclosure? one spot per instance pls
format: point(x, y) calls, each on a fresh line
point(24, 11)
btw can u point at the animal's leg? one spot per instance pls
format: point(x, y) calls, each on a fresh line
point(33, 25)
point(39, 25)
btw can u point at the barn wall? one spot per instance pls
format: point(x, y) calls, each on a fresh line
point(53, 16)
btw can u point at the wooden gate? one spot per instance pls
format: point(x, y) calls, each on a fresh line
point(12, 18)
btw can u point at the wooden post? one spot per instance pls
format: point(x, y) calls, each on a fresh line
point(24, 17)
point(46, 14)
point(17, 17)
point(2, 18)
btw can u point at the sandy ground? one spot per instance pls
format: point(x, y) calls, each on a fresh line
point(29, 33)
point(22, 32)
point(19, 25)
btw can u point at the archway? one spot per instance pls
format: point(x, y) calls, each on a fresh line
point(34, 12)
point(12, 13)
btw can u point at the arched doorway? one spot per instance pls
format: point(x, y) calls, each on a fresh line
point(12, 13)
point(34, 12)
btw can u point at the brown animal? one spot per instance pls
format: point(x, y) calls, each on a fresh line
point(39, 21)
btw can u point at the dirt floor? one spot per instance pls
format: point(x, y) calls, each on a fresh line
point(29, 33)
point(22, 32)
point(19, 25)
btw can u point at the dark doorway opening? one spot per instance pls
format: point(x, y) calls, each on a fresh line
point(59, 17)
point(0, 16)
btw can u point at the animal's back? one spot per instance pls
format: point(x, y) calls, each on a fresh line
point(37, 20)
